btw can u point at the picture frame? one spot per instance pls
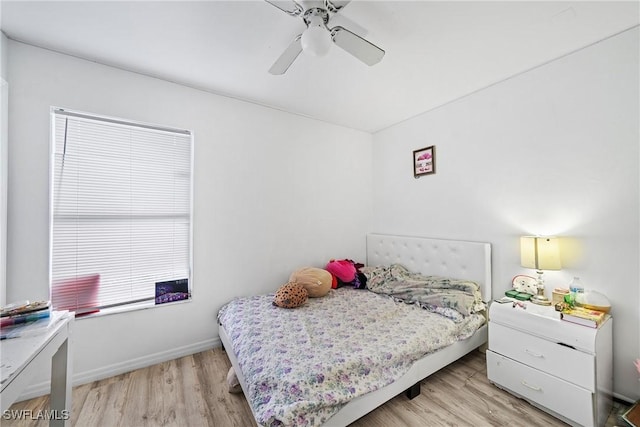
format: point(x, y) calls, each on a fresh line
point(172, 290)
point(424, 161)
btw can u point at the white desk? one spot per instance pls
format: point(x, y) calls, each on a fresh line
point(20, 358)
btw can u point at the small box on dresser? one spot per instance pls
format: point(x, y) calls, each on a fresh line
point(560, 367)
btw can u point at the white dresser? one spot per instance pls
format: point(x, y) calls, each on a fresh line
point(563, 368)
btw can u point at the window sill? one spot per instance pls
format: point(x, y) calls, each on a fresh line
point(131, 307)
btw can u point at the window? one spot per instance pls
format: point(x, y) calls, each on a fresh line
point(120, 211)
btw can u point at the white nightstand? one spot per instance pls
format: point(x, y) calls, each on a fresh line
point(562, 368)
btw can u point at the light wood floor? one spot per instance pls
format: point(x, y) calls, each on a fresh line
point(192, 391)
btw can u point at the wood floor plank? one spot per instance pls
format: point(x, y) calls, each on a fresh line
point(226, 409)
point(507, 409)
point(27, 407)
point(192, 391)
point(156, 393)
point(135, 409)
point(103, 401)
point(418, 412)
point(455, 400)
point(79, 397)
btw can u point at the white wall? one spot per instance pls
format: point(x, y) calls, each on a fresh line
point(272, 192)
point(551, 151)
point(4, 143)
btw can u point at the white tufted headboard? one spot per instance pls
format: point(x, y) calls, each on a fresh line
point(456, 259)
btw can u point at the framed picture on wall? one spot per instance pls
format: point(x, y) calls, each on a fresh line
point(424, 161)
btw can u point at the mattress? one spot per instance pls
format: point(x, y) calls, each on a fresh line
point(302, 365)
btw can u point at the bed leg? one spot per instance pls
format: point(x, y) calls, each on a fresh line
point(413, 391)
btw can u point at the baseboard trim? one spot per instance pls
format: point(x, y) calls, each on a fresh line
point(623, 399)
point(79, 378)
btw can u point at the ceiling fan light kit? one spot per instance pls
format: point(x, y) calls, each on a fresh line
point(317, 39)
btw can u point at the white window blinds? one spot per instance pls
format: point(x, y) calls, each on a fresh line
point(121, 211)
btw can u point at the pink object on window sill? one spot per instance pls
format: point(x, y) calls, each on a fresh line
point(79, 294)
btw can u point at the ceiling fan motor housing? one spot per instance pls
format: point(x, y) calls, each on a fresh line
point(312, 16)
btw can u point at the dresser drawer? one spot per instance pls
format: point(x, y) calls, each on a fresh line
point(544, 322)
point(558, 360)
point(566, 399)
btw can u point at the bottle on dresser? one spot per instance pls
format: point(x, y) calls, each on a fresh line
point(575, 288)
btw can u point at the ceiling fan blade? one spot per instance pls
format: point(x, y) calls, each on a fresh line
point(290, 7)
point(362, 49)
point(285, 60)
point(334, 6)
point(340, 20)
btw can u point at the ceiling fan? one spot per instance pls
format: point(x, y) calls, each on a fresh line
point(318, 37)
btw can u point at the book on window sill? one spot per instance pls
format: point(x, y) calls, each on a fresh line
point(583, 316)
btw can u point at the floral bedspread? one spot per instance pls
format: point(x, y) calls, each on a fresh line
point(302, 365)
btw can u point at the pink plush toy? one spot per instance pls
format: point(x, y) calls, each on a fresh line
point(343, 269)
point(345, 272)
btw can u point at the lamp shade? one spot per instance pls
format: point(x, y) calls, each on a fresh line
point(541, 253)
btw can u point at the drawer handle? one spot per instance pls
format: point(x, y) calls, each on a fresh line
point(534, 354)
point(524, 383)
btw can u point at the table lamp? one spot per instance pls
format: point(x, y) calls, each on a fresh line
point(541, 253)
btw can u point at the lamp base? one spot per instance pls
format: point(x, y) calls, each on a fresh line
point(540, 300)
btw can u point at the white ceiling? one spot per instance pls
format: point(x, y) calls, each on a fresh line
point(435, 51)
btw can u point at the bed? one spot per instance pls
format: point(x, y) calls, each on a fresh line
point(313, 353)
